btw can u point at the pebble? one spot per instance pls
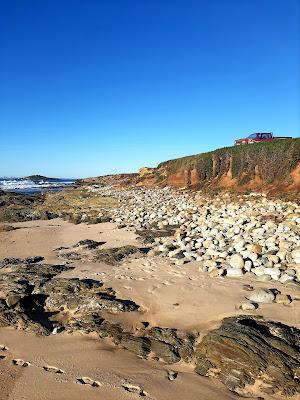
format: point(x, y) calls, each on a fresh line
point(172, 375)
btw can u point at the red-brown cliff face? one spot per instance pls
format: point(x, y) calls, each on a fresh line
point(273, 166)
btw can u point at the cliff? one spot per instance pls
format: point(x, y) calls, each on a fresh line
point(273, 166)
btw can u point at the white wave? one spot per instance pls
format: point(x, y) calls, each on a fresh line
point(19, 184)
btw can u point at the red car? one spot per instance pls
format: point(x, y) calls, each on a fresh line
point(259, 137)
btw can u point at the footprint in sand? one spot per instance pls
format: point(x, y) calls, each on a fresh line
point(20, 362)
point(55, 370)
point(129, 387)
point(85, 380)
point(3, 347)
point(153, 289)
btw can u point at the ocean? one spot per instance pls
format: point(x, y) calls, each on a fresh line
point(28, 186)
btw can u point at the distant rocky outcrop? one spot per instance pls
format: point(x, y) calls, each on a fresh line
point(40, 178)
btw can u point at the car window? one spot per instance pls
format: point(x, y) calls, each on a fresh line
point(266, 135)
point(253, 136)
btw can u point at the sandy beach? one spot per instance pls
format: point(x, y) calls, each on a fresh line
point(169, 296)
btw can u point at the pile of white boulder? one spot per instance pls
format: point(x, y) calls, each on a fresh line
point(229, 237)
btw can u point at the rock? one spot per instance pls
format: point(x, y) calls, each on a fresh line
point(261, 296)
point(89, 244)
point(248, 265)
point(296, 254)
point(12, 299)
point(33, 260)
point(255, 248)
point(239, 245)
point(170, 344)
point(283, 299)
point(216, 272)
point(248, 306)
point(210, 263)
point(234, 273)
point(10, 261)
point(172, 375)
point(264, 278)
point(236, 261)
point(273, 272)
point(70, 256)
point(138, 345)
point(258, 271)
point(114, 255)
point(285, 278)
point(246, 351)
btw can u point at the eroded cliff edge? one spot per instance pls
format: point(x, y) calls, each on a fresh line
point(274, 166)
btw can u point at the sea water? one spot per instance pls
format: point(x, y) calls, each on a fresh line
point(27, 186)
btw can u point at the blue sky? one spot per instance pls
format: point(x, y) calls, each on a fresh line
point(95, 87)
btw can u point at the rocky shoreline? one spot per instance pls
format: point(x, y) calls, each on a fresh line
point(228, 237)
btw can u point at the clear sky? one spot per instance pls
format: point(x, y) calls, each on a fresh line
point(103, 86)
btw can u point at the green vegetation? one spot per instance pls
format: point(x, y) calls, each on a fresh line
point(275, 160)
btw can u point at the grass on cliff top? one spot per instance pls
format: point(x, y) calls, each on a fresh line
point(274, 158)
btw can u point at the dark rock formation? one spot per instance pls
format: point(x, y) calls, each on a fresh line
point(246, 353)
point(246, 350)
point(16, 207)
point(89, 244)
point(33, 297)
point(149, 235)
point(116, 254)
point(87, 250)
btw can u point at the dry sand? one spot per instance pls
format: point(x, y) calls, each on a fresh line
point(170, 296)
point(88, 356)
